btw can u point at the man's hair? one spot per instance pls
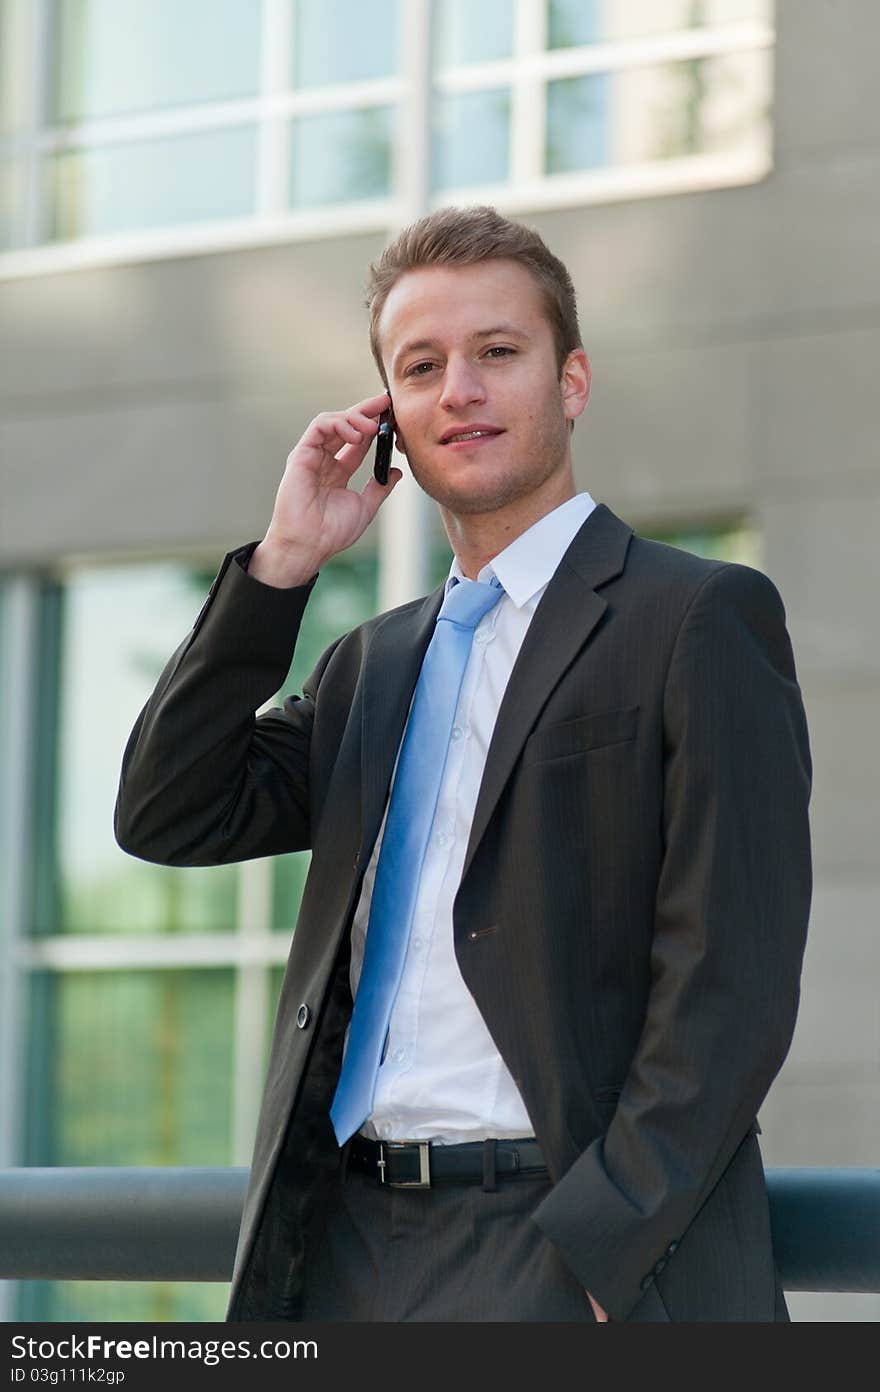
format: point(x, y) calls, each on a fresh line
point(466, 237)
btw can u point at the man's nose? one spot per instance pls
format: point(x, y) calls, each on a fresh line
point(462, 384)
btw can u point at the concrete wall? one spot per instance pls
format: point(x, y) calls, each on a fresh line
point(735, 337)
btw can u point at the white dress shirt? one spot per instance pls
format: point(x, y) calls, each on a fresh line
point(442, 1078)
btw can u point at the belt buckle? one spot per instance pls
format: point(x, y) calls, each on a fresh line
point(424, 1179)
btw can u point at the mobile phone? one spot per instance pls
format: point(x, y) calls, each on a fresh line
point(384, 447)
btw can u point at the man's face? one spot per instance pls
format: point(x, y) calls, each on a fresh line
point(481, 411)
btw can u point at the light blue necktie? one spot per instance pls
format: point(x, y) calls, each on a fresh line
point(405, 840)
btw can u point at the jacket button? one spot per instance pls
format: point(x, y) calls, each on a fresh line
point(672, 1249)
point(646, 1281)
point(659, 1265)
point(303, 1015)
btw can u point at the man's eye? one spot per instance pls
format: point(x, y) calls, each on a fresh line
point(416, 369)
point(500, 349)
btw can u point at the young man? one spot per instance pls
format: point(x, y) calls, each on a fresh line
point(560, 850)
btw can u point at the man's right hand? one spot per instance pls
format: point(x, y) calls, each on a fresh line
point(316, 514)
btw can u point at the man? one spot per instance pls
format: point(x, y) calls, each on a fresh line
point(575, 964)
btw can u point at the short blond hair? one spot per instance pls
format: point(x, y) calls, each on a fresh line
point(465, 237)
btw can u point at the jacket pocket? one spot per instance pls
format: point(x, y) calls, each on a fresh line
point(586, 732)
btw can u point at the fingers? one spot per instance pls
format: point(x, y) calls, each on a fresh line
point(374, 493)
point(347, 435)
point(373, 405)
point(362, 418)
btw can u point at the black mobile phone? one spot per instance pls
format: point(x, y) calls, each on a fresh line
point(384, 447)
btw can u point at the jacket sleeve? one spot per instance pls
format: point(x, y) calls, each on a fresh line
point(730, 923)
point(204, 780)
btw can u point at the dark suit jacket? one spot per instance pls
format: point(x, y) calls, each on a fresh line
point(631, 916)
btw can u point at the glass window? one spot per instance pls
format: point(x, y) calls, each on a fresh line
point(152, 183)
point(713, 105)
point(114, 56)
point(740, 543)
point(465, 32)
point(574, 22)
point(132, 1067)
point(11, 180)
point(6, 809)
point(15, 63)
point(346, 41)
point(471, 143)
point(341, 156)
point(119, 626)
point(129, 1068)
point(82, 1302)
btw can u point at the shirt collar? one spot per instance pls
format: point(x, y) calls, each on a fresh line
point(527, 565)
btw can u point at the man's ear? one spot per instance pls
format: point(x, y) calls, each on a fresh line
point(399, 442)
point(575, 383)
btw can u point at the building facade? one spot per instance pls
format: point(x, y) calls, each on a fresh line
point(187, 213)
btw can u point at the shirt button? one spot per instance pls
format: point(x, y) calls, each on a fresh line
point(443, 839)
point(418, 944)
point(400, 1055)
point(456, 732)
point(385, 1128)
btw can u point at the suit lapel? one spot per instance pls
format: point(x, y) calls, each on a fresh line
point(391, 670)
point(568, 613)
point(564, 620)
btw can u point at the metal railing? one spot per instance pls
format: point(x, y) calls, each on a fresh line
point(182, 1224)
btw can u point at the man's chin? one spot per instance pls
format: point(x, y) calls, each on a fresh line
point(479, 495)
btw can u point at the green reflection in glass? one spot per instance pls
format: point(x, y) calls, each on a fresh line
point(574, 22)
point(577, 123)
point(114, 56)
point(465, 32)
point(167, 182)
point(348, 41)
point(341, 157)
point(128, 1068)
point(119, 627)
point(471, 139)
point(133, 1067)
point(737, 542)
point(10, 203)
point(715, 105)
point(116, 1301)
point(6, 810)
point(16, 31)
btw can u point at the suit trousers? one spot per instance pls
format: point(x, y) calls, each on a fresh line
point(452, 1252)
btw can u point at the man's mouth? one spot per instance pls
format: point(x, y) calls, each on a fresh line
point(476, 432)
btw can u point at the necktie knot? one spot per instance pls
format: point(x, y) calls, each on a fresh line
point(468, 600)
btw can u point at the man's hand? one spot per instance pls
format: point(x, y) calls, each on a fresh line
point(316, 514)
point(601, 1317)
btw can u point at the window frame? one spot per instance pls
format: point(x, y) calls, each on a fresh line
point(528, 70)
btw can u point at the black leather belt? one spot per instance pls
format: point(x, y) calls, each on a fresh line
point(419, 1164)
